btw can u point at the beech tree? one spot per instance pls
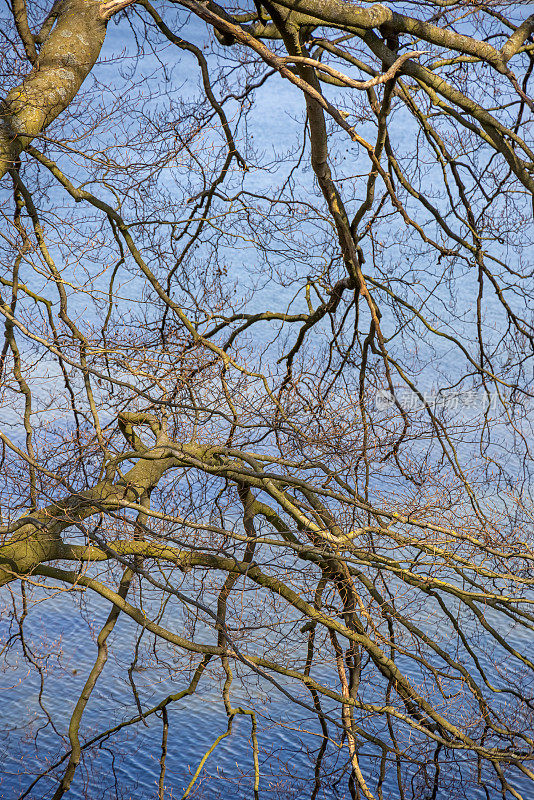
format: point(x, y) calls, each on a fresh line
point(266, 386)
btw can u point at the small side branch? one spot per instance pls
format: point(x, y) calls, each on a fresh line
point(354, 84)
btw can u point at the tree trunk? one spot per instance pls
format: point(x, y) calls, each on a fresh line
point(66, 58)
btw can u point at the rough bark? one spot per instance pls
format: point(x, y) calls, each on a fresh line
point(39, 539)
point(66, 58)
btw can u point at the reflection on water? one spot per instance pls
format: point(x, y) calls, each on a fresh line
point(127, 765)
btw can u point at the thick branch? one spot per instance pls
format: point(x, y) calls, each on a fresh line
point(39, 539)
point(21, 21)
point(66, 58)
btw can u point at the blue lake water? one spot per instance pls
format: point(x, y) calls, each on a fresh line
point(129, 768)
point(127, 765)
